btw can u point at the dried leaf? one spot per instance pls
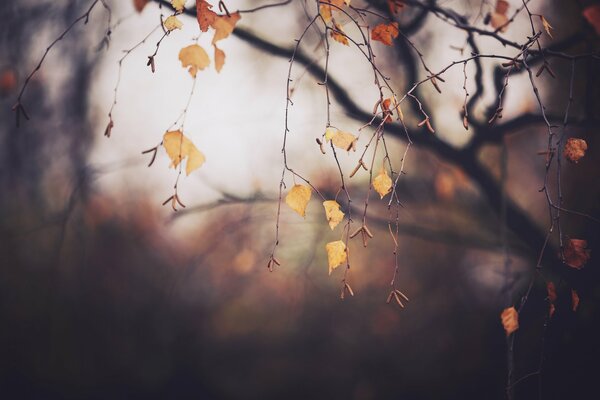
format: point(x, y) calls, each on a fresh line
point(551, 289)
point(179, 147)
point(333, 213)
point(224, 25)
point(219, 58)
point(574, 300)
point(575, 149)
point(139, 5)
point(194, 57)
point(338, 35)
point(340, 139)
point(385, 33)
point(510, 320)
point(382, 183)
point(172, 23)
point(576, 254)
point(336, 254)
point(206, 17)
point(395, 6)
point(8, 81)
point(499, 21)
point(592, 15)
point(546, 25)
point(178, 4)
point(298, 198)
point(325, 11)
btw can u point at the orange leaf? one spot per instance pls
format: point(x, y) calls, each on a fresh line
point(551, 289)
point(338, 34)
point(385, 33)
point(576, 254)
point(592, 15)
point(510, 320)
point(206, 16)
point(139, 5)
point(219, 58)
point(8, 81)
point(575, 149)
point(574, 300)
point(395, 5)
point(224, 25)
point(194, 57)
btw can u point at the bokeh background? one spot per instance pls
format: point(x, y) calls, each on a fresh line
point(106, 294)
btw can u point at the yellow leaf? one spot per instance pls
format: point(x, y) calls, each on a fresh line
point(224, 25)
point(194, 57)
point(172, 23)
point(547, 25)
point(298, 198)
point(338, 35)
point(219, 58)
point(333, 213)
point(178, 147)
point(336, 254)
point(382, 183)
point(325, 11)
point(342, 140)
point(510, 320)
point(178, 4)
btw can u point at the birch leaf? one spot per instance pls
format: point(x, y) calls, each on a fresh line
point(336, 254)
point(298, 198)
point(178, 4)
point(179, 147)
point(224, 25)
point(172, 23)
point(195, 58)
point(382, 183)
point(338, 35)
point(510, 320)
point(385, 33)
point(219, 58)
point(333, 213)
point(206, 17)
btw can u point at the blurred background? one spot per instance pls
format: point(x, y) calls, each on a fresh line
point(106, 294)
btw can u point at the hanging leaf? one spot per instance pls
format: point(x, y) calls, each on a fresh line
point(343, 140)
point(298, 198)
point(139, 5)
point(382, 183)
point(592, 15)
point(206, 17)
point(195, 58)
point(574, 300)
point(551, 289)
point(179, 147)
point(575, 149)
point(547, 27)
point(338, 34)
point(336, 254)
point(172, 23)
point(498, 18)
point(178, 4)
point(385, 33)
point(219, 58)
point(333, 213)
point(510, 320)
point(224, 25)
point(576, 253)
point(325, 11)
